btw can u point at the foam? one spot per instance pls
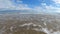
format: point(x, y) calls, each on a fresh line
point(43, 29)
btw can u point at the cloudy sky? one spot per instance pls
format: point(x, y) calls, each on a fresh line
point(38, 5)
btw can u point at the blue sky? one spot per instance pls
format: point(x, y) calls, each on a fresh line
point(37, 5)
point(33, 3)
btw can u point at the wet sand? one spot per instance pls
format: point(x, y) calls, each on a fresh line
point(29, 24)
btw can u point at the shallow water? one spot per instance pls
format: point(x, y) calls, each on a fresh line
point(29, 24)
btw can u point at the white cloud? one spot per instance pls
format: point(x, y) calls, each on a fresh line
point(3, 4)
point(57, 1)
point(19, 1)
point(46, 8)
point(52, 8)
point(7, 4)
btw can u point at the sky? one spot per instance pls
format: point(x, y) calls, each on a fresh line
point(37, 5)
